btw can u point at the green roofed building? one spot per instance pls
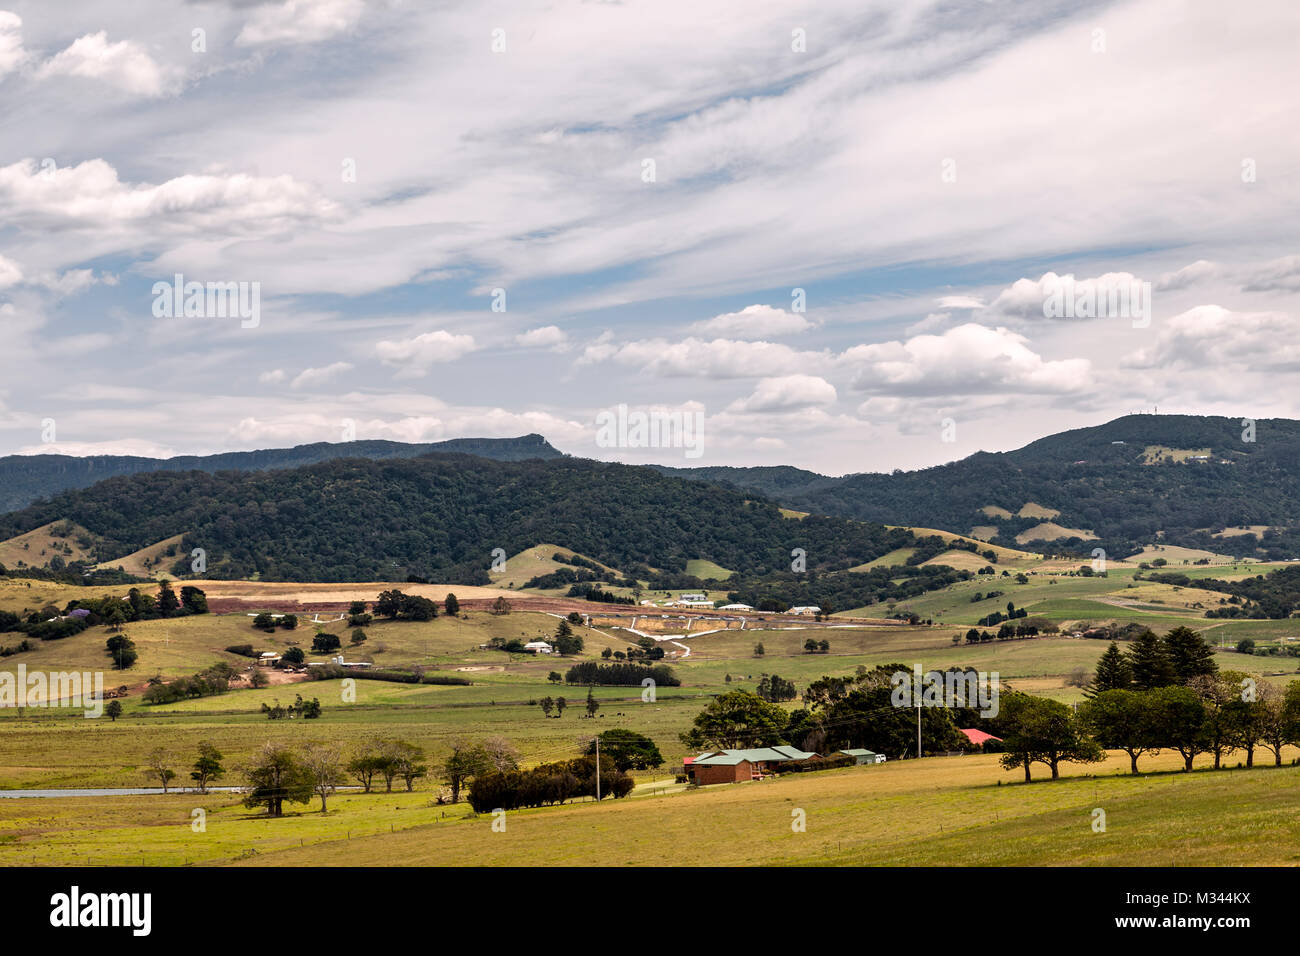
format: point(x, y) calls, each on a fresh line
point(733, 766)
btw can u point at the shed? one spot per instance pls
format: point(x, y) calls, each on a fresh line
point(861, 756)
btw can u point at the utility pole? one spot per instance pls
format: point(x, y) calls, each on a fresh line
point(918, 730)
point(598, 768)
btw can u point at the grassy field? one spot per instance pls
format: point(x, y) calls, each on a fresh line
point(941, 811)
point(150, 561)
point(38, 546)
point(706, 570)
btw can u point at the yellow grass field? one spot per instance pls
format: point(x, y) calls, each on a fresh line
point(941, 811)
point(1005, 555)
point(38, 546)
point(1155, 454)
point(1031, 509)
point(151, 561)
point(1051, 531)
point(535, 562)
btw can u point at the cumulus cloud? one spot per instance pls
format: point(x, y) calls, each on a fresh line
point(300, 21)
point(968, 359)
point(546, 337)
point(273, 377)
point(414, 357)
point(1026, 298)
point(124, 64)
point(91, 195)
point(786, 392)
point(1211, 336)
point(753, 322)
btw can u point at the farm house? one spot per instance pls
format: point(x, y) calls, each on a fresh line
point(734, 766)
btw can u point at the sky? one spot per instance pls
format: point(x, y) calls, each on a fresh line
point(834, 235)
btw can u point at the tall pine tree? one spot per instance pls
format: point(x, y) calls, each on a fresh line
point(1148, 657)
point(1113, 673)
point(1189, 654)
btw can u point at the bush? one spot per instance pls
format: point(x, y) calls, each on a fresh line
point(546, 785)
point(334, 672)
point(243, 650)
point(325, 642)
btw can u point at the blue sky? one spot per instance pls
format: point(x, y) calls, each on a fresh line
point(923, 171)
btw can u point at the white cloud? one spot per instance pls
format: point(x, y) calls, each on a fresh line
point(72, 282)
point(12, 54)
point(959, 302)
point(546, 337)
point(124, 65)
point(786, 392)
point(141, 447)
point(1279, 275)
point(90, 195)
point(697, 358)
point(753, 322)
point(300, 21)
point(10, 273)
point(313, 377)
point(968, 359)
point(1211, 338)
point(273, 377)
point(1189, 275)
point(1025, 298)
point(414, 357)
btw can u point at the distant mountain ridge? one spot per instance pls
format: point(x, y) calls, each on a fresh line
point(26, 478)
point(1099, 479)
point(1200, 482)
point(441, 517)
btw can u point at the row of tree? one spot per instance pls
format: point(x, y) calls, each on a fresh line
point(49, 623)
point(1151, 661)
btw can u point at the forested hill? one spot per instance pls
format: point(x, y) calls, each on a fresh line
point(1176, 479)
point(25, 478)
point(440, 517)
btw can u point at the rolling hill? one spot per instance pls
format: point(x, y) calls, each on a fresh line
point(441, 517)
point(1178, 479)
point(1188, 482)
point(25, 478)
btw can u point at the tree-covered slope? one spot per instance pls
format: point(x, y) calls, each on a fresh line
point(25, 478)
point(441, 516)
point(1098, 479)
